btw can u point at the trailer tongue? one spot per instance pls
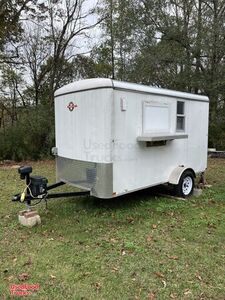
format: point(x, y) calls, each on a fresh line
point(37, 188)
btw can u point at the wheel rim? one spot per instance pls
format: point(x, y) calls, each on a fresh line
point(187, 185)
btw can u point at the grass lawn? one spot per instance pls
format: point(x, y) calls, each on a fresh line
point(139, 246)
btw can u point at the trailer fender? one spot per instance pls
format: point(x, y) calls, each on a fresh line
point(176, 174)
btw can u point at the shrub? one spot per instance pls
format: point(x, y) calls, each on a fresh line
point(31, 137)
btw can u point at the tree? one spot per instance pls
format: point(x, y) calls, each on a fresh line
point(35, 55)
point(119, 25)
point(179, 44)
point(11, 26)
point(66, 25)
point(10, 93)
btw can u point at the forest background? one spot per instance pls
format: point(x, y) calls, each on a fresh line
point(175, 44)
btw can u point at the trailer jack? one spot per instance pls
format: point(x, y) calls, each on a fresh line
point(37, 188)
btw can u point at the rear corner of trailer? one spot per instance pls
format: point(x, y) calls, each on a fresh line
point(197, 127)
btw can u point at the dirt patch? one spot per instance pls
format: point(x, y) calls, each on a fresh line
point(10, 164)
point(9, 167)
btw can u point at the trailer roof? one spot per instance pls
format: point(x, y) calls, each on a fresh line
point(98, 83)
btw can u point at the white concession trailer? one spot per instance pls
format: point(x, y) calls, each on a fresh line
point(114, 137)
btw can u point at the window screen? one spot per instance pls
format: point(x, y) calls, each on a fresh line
point(180, 116)
point(180, 108)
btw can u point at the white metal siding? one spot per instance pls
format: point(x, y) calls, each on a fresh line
point(197, 129)
point(85, 132)
point(135, 165)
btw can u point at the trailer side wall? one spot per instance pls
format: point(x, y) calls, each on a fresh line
point(135, 165)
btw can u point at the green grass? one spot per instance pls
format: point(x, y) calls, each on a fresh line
point(139, 246)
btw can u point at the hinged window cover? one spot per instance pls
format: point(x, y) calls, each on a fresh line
point(156, 117)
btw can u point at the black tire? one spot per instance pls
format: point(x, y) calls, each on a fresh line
point(185, 186)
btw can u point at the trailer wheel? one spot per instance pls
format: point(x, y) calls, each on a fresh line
point(186, 185)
